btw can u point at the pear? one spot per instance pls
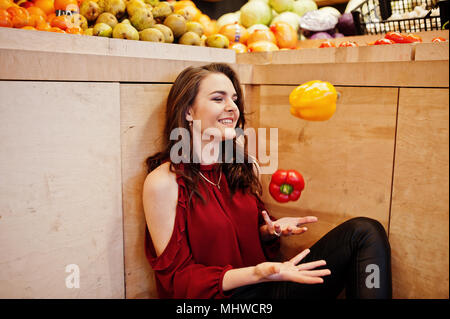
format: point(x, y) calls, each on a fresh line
point(217, 41)
point(142, 19)
point(89, 31)
point(125, 31)
point(176, 23)
point(151, 34)
point(190, 38)
point(90, 9)
point(108, 18)
point(162, 11)
point(125, 21)
point(194, 27)
point(79, 21)
point(203, 40)
point(102, 30)
point(116, 7)
point(153, 3)
point(186, 13)
point(168, 34)
point(132, 5)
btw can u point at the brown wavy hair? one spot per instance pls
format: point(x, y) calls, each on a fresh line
point(181, 97)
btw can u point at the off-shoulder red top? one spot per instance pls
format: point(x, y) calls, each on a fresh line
point(208, 240)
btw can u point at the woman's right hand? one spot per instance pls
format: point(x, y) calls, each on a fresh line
point(292, 271)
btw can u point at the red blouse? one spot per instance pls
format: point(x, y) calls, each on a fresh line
point(208, 240)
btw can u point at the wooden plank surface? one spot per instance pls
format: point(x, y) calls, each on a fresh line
point(346, 161)
point(386, 53)
point(71, 43)
point(409, 74)
point(431, 51)
point(419, 230)
point(142, 123)
point(57, 66)
point(60, 189)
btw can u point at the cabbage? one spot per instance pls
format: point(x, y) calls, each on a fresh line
point(257, 27)
point(318, 21)
point(227, 18)
point(300, 7)
point(288, 17)
point(346, 24)
point(320, 35)
point(281, 5)
point(352, 4)
point(255, 12)
point(331, 10)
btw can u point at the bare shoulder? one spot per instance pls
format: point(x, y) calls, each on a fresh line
point(160, 181)
point(159, 198)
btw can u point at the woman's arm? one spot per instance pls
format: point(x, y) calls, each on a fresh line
point(274, 271)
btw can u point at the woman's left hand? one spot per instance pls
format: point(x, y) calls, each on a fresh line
point(285, 226)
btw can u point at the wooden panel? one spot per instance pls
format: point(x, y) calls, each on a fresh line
point(60, 187)
point(410, 74)
point(71, 43)
point(346, 161)
point(37, 65)
point(142, 123)
point(399, 52)
point(431, 51)
point(419, 219)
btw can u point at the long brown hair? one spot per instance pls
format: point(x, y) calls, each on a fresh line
point(181, 97)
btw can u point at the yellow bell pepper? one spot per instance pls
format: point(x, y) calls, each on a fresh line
point(313, 101)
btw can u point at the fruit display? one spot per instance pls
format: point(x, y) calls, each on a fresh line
point(145, 20)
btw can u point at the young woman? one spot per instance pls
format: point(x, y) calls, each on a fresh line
point(208, 234)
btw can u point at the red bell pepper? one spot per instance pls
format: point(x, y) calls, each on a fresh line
point(413, 38)
point(286, 185)
point(383, 41)
point(327, 44)
point(438, 39)
point(348, 44)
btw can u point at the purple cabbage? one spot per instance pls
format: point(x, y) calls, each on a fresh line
point(320, 35)
point(346, 24)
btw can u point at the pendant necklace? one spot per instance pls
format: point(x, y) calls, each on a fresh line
point(217, 185)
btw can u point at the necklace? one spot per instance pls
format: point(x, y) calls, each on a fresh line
point(218, 182)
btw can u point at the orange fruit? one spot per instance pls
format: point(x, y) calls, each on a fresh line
point(5, 19)
point(46, 5)
point(19, 17)
point(50, 17)
point(262, 46)
point(36, 19)
point(261, 35)
point(183, 4)
point(61, 22)
point(44, 26)
point(28, 28)
point(56, 29)
point(74, 30)
point(37, 11)
point(5, 4)
point(238, 47)
point(285, 34)
point(66, 5)
point(235, 32)
point(209, 27)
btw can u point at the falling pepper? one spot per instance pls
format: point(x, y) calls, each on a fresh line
point(313, 101)
point(286, 185)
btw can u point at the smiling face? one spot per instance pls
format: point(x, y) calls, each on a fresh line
point(215, 106)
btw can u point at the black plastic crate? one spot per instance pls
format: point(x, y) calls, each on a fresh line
point(381, 16)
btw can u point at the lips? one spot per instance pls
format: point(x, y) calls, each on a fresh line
point(226, 120)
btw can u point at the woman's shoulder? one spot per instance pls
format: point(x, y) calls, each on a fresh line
point(161, 181)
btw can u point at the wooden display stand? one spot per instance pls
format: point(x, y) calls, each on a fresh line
point(79, 115)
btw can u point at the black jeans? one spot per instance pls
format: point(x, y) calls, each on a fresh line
point(358, 254)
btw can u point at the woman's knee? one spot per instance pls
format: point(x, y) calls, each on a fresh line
point(368, 227)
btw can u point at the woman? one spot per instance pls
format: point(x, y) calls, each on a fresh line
point(208, 234)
